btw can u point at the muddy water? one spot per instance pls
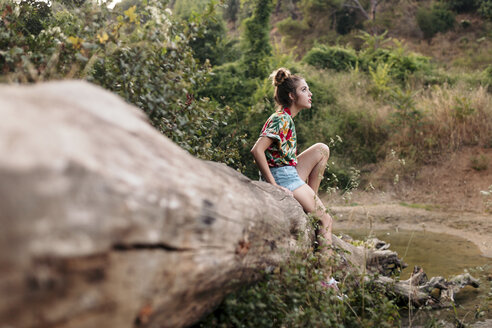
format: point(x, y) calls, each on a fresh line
point(440, 255)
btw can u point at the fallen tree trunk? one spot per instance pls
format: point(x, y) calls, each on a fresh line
point(436, 292)
point(106, 223)
point(375, 257)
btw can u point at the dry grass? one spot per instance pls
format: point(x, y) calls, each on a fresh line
point(453, 117)
point(457, 116)
point(469, 48)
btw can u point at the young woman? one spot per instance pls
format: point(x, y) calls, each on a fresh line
point(275, 151)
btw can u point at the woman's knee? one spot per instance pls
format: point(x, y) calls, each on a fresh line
point(323, 149)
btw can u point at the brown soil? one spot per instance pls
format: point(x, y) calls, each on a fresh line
point(443, 198)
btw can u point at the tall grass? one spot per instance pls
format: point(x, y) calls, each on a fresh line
point(450, 117)
point(398, 128)
point(456, 116)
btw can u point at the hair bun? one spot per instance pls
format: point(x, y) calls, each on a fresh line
point(279, 76)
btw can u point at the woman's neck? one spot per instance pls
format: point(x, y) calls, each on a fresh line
point(294, 110)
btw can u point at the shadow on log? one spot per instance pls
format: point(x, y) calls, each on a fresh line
point(106, 223)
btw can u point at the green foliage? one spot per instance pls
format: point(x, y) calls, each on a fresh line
point(434, 20)
point(211, 42)
point(397, 61)
point(381, 79)
point(292, 296)
point(292, 27)
point(487, 76)
point(141, 53)
point(373, 42)
point(463, 109)
point(73, 3)
point(32, 16)
point(337, 58)
point(346, 19)
point(229, 85)
point(185, 8)
point(231, 10)
point(461, 6)
point(479, 162)
point(485, 9)
point(317, 13)
point(385, 64)
point(362, 137)
point(257, 39)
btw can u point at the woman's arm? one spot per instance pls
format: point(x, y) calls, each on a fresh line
point(258, 152)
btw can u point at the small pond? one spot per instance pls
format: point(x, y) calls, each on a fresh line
point(439, 255)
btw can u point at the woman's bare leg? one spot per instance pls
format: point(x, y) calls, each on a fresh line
point(311, 203)
point(311, 164)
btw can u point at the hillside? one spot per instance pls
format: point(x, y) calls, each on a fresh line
point(465, 43)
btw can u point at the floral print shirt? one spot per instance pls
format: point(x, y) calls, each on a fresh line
point(280, 127)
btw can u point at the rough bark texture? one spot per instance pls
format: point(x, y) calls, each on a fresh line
point(106, 223)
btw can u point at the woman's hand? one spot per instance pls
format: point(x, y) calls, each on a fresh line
point(290, 193)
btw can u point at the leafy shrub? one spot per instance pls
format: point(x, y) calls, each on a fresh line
point(228, 85)
point(337, 58)
point(432, 21)
point(485, 9)
point(346, 19)
point(397, 65)
point(461, 6)
point(257, 39)
point(400, 63)
point(32, 16)
point(479, 162)
point(292, 296)
point(362, 137)
point(141, 53)
point(381, 80)
point(292, 29)
point(231, 10)
point(487, 76)
point(211, 44)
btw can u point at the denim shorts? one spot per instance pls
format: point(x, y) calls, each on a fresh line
point(286, 176)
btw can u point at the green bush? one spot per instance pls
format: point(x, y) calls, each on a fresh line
point(362, 138)
point(432, 21)
point(257, 48)
point(211, 44)
point(33, 16)
point(228, 84)
point(346, 19)
point(292, 28)
point(141, 53)
point(461, 6)
point(487, 76)
point(231, 10)
point(485, 9)
point(292, 296)
point(400, 65)
point(337, 58)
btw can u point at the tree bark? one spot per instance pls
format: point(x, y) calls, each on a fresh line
point(106, 223)
point(357, 5)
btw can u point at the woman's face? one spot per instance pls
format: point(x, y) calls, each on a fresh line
point(303, 95)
